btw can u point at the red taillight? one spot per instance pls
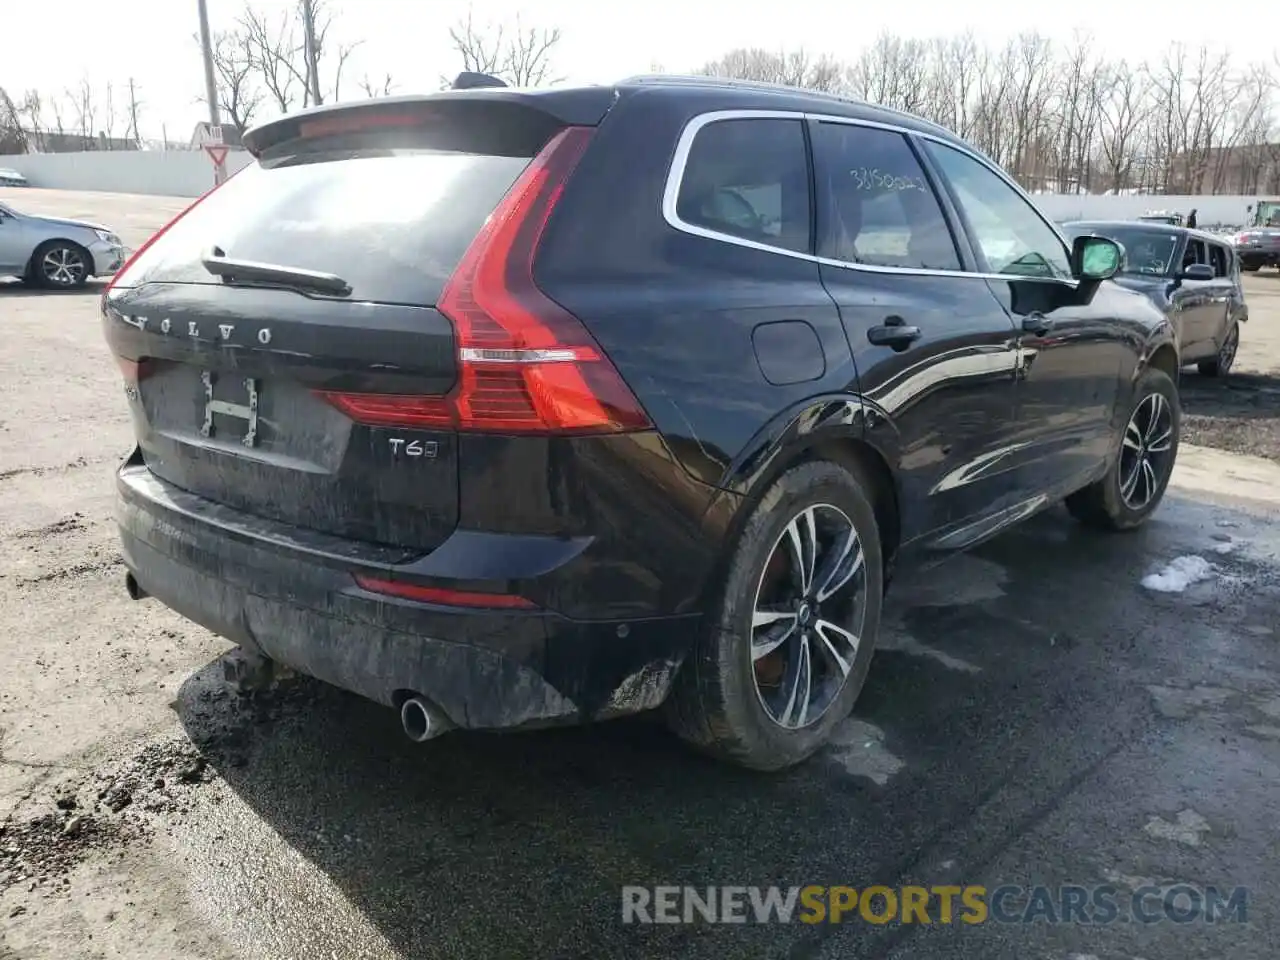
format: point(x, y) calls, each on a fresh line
point(150, 241)
point(357, 123)
point(442, 595)
point(392, 410)
point(525, 364)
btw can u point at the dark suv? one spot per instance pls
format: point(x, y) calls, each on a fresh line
point(508, 408)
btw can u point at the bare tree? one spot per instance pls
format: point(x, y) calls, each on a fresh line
point(271, 47)
point(376, 88)
point(263, 59)
point(13, 135)
point(795, 68)
point(522, 57)
point(85, 107)
point(135, 111)
point(237, 76)
point(109, 115)
point(1123, 111)
point(59, 125)
point(32, 110)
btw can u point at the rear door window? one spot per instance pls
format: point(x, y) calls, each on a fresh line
point(1221, 261)
point(749, 179)
point(875, 204)
point(1196, 252)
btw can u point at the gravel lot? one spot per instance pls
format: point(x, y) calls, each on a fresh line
point(1034, 715)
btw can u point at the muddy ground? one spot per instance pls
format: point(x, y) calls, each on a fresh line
point(1241, 414)
point(1034, 715)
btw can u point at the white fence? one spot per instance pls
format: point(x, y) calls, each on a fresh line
point(189, 173)
point(1229, 211)
point(169, 173)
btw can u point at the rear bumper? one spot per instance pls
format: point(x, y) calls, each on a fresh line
point(295, 601)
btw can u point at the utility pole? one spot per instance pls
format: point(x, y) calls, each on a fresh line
point(210, 85)
point(309, 33)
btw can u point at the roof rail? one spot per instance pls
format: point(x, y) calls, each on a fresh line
point(706, 80)
point(473, 80)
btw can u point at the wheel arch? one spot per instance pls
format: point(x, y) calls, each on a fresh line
point(1164, 357)
point(841, 429)
point(53, 241)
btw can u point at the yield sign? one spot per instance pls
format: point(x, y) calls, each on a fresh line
point(217, 154)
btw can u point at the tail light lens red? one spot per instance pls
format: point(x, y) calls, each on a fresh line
point(442, 595)
point(525, 364)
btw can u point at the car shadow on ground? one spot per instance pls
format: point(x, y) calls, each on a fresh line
point(518, 845)
point(20, 290)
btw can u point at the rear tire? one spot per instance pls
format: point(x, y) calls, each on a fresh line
point(737, 697)
point(1130, 492)
point(1220, 365)
point(60, 265)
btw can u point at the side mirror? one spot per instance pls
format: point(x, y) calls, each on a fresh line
point(1197, 271)
point(1096, 258)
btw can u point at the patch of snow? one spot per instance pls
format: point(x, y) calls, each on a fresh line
point(859, 748)
point(1178, 574)
point(1225, 547)
point(1186, 829)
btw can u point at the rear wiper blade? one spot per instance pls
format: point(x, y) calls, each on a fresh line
point(220, 265)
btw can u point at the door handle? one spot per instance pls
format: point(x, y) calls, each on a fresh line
point(894, 333)
point(1037, 323)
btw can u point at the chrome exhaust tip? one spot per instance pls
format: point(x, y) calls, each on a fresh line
point(133, 588)
point(422, 720)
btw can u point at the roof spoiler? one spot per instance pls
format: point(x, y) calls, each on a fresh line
point(583, 106)
point(471, 80)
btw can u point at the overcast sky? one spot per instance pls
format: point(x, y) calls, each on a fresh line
point(152, 40)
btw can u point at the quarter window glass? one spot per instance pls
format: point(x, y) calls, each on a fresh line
point(1012, 236)
point(875, 204)
point(749, 179)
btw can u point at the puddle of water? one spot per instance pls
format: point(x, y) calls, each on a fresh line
point(859, 747)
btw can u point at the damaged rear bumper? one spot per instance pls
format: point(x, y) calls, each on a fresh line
point(292, 597)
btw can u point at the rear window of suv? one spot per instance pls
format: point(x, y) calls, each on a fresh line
point(392, 217)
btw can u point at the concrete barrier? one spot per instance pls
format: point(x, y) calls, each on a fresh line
point(169, 173)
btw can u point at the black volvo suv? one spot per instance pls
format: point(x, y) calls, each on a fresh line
point(508, 408)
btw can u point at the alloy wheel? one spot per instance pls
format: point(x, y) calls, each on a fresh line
point(808, 616)
point(63, 266)
point(1146, 456)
